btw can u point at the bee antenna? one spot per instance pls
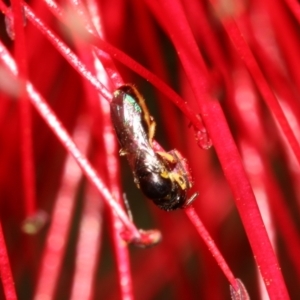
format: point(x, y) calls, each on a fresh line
point(190, 200)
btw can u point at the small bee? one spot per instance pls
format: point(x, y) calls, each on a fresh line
point(162, 176)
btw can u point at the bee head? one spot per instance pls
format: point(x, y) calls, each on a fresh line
point(164, 192)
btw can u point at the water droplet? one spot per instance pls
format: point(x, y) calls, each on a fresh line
point(202, 137)
point(240, 293)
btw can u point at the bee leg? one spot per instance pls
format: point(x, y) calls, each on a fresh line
point(122, 152)
point(136, 181)
point(151, 130)
point(177, 155)
point(173, 157)
point(168, 157)
point(149, 120)
point(127, 206)
point(182, 166)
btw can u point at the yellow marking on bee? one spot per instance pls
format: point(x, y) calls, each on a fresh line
point(174, 176)
point(179, 179)
point(165, 174)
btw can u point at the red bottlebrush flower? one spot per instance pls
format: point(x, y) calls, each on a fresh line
point(75, 223)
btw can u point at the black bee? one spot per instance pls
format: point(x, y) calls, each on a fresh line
point(162, 176)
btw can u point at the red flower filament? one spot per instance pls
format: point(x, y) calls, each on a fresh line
point(235, 118)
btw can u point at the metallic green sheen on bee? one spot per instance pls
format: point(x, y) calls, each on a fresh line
point(162, 176)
